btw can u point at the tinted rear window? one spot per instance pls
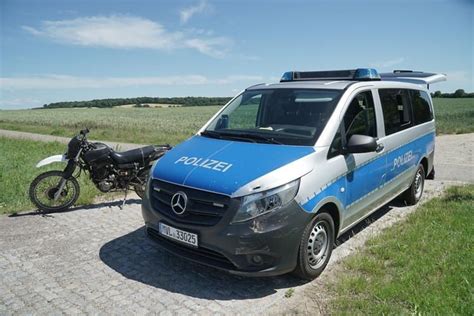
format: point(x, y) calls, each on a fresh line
point(421, 106)
point(397, 114)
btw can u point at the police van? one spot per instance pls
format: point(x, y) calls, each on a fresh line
point(267, 185)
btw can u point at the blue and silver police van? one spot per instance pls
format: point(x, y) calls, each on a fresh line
point(267, 185)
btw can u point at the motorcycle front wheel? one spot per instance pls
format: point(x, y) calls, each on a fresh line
point(44, 187)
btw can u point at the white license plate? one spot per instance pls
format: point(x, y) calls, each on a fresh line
point(179, 235)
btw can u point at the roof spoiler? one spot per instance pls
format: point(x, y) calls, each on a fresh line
point(417, 77)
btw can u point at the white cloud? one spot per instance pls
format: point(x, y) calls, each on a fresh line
point(57, 82)
point(187, 13)
point(125, 32)
point(388, 63)
point(19, 102)
point(461, 79)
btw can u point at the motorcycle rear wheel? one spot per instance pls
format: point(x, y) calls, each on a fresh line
point(143, 178)
point(43, 188)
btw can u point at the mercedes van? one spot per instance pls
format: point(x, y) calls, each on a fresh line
point(267, 185)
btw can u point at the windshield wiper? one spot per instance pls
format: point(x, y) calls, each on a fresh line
point(270, 140)
point(242, 136)
point(211, 134)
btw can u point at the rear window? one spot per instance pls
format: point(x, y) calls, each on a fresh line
point(421, 107)
point(397, 114)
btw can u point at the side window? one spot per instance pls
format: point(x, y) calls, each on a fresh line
point(358, 119)
point(397, 114)
point(360, 116)
point(421, 107)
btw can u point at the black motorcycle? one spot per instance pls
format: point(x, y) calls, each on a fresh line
point(109, 170)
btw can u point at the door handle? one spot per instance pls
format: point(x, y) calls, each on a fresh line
point(379, 148)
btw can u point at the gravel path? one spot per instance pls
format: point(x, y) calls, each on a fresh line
point(96, 260)
point(60, 139)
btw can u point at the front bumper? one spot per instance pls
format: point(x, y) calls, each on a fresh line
point(265, 246)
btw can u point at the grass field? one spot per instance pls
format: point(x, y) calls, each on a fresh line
point(172, 125)
point(454, 116)
point(420, 267)
point(134, 125)
point(17, 169)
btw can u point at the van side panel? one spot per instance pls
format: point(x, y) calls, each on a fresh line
point(403, 155)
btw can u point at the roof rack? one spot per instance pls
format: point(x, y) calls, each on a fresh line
point(360, 74)
point(417, 77)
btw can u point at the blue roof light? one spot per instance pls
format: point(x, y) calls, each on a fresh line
point(360, 74)
point(366, 74)
point(287, 76)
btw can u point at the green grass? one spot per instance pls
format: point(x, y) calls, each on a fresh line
point(454, 116)
point(173, 125)
point(17, 169)
point(421, 266)
point(135, 125)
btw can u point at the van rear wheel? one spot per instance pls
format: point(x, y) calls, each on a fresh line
point(315, 247)
point(415, 191)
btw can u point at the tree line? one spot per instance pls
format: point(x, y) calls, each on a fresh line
point(139, 102)
point(459, 93)
point(190, 101)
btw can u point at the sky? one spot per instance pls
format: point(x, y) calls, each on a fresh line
point(64, 50)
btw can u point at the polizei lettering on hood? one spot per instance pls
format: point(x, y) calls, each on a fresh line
point(212, 164)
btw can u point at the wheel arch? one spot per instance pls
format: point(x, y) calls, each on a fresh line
point(334, 207)
point(424, 163)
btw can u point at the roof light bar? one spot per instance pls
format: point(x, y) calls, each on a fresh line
point(360, 74)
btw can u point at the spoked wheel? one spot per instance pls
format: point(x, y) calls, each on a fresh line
point(315, 247)
point(44, 191)
point(140, 188)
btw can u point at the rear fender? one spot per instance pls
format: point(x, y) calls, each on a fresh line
point(49, 160)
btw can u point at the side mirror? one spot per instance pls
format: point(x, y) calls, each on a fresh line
point(360, 144)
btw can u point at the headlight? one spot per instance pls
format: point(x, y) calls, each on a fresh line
point(257, 204)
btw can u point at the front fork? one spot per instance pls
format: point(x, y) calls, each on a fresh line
point(68, 171)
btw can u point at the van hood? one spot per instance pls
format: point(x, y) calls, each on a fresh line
point(223, 166)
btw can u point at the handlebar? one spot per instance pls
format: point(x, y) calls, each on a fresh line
point(84, 132)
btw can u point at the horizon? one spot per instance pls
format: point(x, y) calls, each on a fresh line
point(53, 51)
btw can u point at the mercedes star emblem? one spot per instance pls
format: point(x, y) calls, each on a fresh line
point(178, 202)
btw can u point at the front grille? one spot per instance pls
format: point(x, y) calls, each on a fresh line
point(203, 208)
point(200, 254)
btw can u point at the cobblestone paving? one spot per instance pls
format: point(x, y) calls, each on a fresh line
point(97, 260)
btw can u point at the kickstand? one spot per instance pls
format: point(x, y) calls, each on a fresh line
point(124, 200)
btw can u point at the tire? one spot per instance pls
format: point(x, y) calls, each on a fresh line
point(414, 193)
point(40, 196)
point(140, 188)
point(320, 230)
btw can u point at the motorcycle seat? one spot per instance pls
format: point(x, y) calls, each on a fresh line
point(135, 155)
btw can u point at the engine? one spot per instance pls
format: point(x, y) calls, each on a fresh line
point(104, 176)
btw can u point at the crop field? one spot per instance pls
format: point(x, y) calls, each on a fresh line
point(135, 125)
point(454, 116)
point(174, 124)
point(17, 169)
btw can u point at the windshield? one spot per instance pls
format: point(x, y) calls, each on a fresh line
point(279, 116)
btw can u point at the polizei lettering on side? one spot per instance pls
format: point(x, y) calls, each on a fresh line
point(212, 164)
point(402, 159)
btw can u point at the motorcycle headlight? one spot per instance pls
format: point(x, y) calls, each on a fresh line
point(257, 204)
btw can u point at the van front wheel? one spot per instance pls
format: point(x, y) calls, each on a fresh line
point(415, 191)
point(315, 247)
